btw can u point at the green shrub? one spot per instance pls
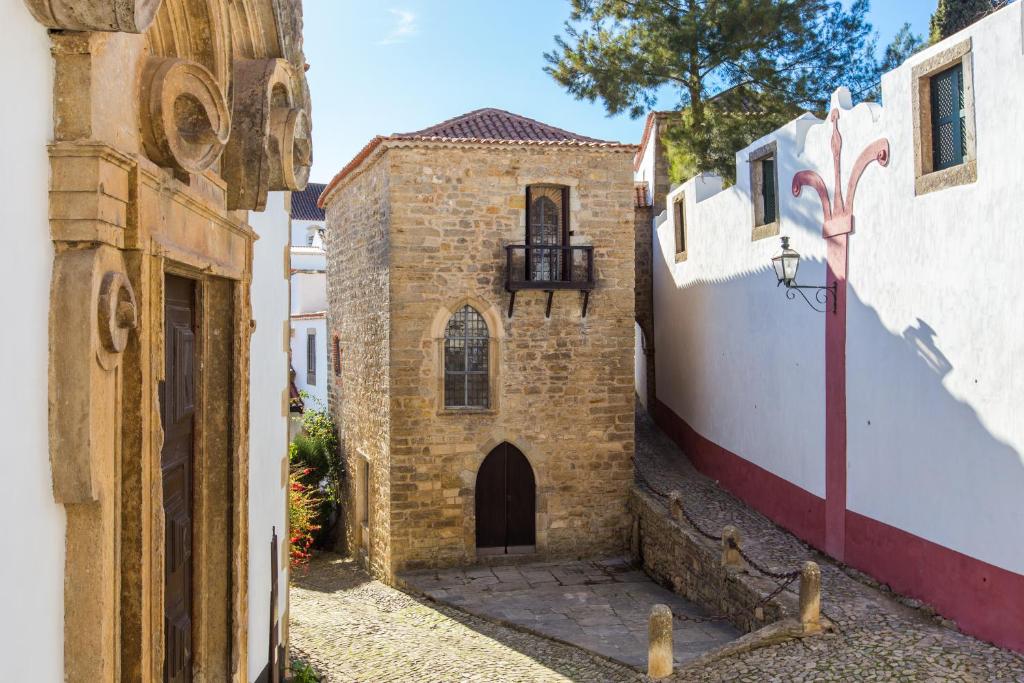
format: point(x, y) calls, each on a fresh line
point(303, 673)
point(315, 456)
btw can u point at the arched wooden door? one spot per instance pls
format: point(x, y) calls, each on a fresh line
point(506, 500)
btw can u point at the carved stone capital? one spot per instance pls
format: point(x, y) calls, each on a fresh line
point(270, 148)
point(92, 310)
point(128, 16)
point(185, 121)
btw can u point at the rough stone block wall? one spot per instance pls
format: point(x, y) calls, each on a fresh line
point(563, 390)
point(644, 288)
point(690, 565)
point(357, 245)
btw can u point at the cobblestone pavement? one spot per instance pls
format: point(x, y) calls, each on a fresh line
point(352, 628)
point(602, 606)
point(881, 637)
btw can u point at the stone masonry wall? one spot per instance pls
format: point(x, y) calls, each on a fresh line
point(644, 288)
point(676, 556)
point(563, 387)
point(357, 246)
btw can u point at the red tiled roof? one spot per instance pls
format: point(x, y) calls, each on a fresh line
point(496, 124)
point(304, 206)
point(479, 126)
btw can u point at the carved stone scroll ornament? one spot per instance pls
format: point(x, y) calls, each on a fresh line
point(270, 147)
point(92, 310)
point(128, 16)
point(185, 120)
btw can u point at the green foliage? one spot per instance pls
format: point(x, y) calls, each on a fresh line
point(315, 455)
point(303, 673)
point(304, 511)
point(777, 57)
point(955, 15)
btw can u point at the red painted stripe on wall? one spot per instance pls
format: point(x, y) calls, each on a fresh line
point(786, 504)
point(985, 601)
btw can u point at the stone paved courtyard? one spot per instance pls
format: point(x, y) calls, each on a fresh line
point(354, 629)
point(879, 637)
point(601, 606)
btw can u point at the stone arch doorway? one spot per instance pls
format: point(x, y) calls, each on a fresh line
point(506, 503)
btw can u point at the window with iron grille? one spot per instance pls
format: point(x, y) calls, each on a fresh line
point(949, 118)
point(769, 208)
point(311, 358)
point(466, 360)
point(547, 231)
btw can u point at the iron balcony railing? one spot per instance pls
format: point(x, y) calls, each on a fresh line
point(548, 267)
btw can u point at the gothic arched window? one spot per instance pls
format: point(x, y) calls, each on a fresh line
point(466, 343)
point(547, 230)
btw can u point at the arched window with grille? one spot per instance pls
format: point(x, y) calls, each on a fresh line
point(466, 342)
point(547, 231)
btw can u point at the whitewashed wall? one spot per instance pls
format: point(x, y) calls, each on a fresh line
point(32, 526)
point(300, 329)
point(309, 288)
point(935, 341)
point(268, 429)
point(736, 360)
point(935, 381)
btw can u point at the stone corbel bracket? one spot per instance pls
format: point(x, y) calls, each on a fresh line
point(185, 119)
point(128, 16)
point(92, 311)
point(270, 148)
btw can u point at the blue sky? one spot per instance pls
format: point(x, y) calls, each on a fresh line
point(401, 65)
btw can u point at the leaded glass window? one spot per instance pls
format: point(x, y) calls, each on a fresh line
point(949, 118)
point(546, 231)
point(466, 360)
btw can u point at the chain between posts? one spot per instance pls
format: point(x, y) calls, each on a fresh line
point(787, 578)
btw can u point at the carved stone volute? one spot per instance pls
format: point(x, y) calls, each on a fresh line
point(185, 121)
point(270, 148)
point(129, 16)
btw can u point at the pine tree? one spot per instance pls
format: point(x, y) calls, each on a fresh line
point(741, 68)
point(955, 15)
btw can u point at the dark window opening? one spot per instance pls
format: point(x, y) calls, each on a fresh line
point(311, 359)
point(337, 356)
point(949, 118)
point(769, 211)
point(680, 219)
point(466, 349)
point(547, 231)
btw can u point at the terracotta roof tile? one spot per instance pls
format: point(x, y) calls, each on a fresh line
point(304, 207)
point(480, 126)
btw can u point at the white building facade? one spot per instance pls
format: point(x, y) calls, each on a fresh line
point(309, 342)
point(54, 631)
point(885, 429)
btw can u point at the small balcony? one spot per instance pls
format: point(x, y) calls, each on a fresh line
point(549, 268)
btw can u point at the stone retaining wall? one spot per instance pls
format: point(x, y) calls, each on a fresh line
point(676, 556)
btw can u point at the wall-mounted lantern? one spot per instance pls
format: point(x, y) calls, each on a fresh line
point(786, 265)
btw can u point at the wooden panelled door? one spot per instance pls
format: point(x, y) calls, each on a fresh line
point(506, 500)
point(177, 406)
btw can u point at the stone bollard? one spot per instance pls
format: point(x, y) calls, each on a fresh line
point(659, 642)
point(731, 555)
point(675, 506)
point(810, 595)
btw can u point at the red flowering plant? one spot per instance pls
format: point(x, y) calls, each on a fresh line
point(303, 508)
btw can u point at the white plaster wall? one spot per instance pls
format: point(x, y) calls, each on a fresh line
point(735, 359)
point(645, 169)
point(300, 233)
point(936, 335)
point(640, 366)
point(32, 527)
point(300, 328)
point(268, 428)
point(309, 291)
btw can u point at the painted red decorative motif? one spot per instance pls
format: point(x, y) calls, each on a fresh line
point(839, 216)
point(837, 226)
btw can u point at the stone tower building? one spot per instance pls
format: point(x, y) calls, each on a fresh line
point(480, 288)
